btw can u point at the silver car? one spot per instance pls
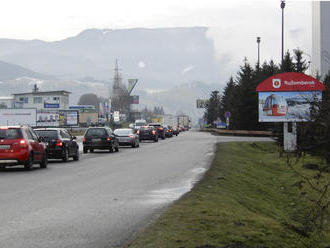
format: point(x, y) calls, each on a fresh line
point(127, 137)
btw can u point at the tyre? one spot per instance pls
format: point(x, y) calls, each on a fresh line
point(29, 162)
point(44, 162)
point(85, 150)
point(117, 148)
point(91, 150)
point(76, 156)
point(111, 149)
point(66, 155)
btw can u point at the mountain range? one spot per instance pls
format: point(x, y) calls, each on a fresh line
point(174, 65)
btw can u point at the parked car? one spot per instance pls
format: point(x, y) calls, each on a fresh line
point(160, 129)
point(101, 138)
point(127, 137)
point(148, 133)
point(60, 143)
point(20, 145)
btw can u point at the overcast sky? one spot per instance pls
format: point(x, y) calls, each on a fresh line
point(234, 25)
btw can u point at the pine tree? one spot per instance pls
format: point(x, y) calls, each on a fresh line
point(246, 97)
point(228, 100)
point(212, 109)
point(300, 65)
point(287, 65)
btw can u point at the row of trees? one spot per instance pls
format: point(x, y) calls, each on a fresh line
point(239, 96)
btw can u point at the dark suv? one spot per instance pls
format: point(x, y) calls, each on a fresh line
point(60, 143)
point(100, 138)
point(160, 129)
point(148, 133)
point(20, 145)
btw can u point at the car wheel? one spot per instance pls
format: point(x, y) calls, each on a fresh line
point(66, 155)
point(44, 162)
point(85, 150)
point(91, 150)
point(163, 137)
point(29, 163)
point(76, 156)
point(117, 148)
point(111, 149)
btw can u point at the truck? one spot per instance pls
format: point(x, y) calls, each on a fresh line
point(184, 122)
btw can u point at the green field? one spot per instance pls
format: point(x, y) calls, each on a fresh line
point(248, 198)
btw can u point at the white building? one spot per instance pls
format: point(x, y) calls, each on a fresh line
point(6, 102)
point(46, 100)
point(321, 38)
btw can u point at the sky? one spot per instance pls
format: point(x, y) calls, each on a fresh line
point(233, 24)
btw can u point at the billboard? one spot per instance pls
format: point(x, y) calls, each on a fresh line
point(287, 97)
point(201, 103)
point(14, 117)
point(57, 118)
point(290, 106)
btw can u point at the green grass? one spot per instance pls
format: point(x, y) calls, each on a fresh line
point(247, 198)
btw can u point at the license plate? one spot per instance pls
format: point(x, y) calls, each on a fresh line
point(96, 140)
point(4, 147)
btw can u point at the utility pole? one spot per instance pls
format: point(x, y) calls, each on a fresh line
point(258, 41)
point(282, 7)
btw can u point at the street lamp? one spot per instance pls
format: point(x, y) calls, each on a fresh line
point(258, 41)
point(282, 7)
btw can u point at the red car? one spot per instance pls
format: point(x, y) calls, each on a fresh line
point(19, 145)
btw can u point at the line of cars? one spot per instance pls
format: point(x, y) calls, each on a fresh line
point(22, 145)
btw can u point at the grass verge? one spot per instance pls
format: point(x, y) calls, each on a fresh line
point(248, 198)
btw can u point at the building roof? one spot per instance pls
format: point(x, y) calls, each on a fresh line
point(44, 93)
point(6, 98)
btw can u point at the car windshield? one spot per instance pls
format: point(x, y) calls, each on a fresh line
point(146, 128)
point(123, 131)
point(100, 132)
point(11, 133)
point(47, 133)
point(139, 124)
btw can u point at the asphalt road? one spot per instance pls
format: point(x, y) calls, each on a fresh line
point(103, 199)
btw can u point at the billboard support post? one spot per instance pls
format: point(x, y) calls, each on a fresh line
point(290, 137)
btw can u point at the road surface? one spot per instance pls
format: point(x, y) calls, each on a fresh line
point(103, 199)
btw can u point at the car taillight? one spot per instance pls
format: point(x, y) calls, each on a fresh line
point(108, 139)
point(59, 142)
point(23, 143)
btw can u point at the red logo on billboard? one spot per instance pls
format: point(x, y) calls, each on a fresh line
point(276, 83)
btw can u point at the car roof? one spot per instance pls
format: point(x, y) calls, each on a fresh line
point(49, 129)
point(4, 127)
